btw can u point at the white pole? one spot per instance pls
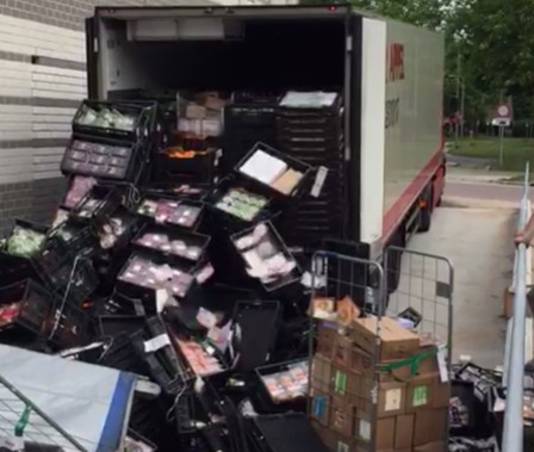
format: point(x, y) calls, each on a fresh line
point(501, 145)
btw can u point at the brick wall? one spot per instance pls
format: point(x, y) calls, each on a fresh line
point(30, 147)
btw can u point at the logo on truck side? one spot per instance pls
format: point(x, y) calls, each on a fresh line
point(395, 62)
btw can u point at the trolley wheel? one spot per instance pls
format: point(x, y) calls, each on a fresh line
point(426, 212)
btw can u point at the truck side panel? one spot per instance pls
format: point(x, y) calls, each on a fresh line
point(372, 129)
point(413, 131)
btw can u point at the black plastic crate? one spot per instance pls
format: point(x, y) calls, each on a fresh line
point(130, 281)
point(195, 244)
point(162, 361)
point(19, 226)
point(109, 159)
point(273, 237)
point(68, 325)
point(171, 210)
point(14, 269)
point(244, 125)
point(335, 109)
point(274, 394)
point(34, 306)
point(116, 325)
point(98, 204)
point(142, 114)
point(291, 162)
point(74, 276)
point(196, 167)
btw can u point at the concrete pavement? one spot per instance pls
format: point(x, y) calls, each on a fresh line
point(477, 237)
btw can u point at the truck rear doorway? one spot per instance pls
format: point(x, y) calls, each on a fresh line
point(158, 56)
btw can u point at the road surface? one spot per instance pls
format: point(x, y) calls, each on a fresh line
point(485, 191)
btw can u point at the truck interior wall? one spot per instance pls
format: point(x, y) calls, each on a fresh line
point(273, 55)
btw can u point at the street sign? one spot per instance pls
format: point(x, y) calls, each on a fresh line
point(503, 115)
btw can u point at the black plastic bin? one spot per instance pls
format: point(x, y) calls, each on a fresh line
point(292, 163)
point(99, 204)
point(166, 209)
point(192, 240)
point(35, 305)
point(143, 116)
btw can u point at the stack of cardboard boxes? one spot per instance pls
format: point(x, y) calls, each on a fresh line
point(378, 391)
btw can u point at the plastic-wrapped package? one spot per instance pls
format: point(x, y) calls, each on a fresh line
point(25, 242)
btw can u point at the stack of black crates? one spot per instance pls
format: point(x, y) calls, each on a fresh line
point(247, 120)
point(315, 136)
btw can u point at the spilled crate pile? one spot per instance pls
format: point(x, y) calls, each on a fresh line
point(390, 394)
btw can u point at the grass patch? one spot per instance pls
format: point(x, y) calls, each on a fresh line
point(517, 151)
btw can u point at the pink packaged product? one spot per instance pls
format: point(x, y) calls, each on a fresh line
point(289, 384)
point(201, 358)
point(78, 189)
point(179, 213)
point(142, 272)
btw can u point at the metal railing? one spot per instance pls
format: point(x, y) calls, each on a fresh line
point(514, 360)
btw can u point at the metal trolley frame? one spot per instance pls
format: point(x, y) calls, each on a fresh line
point(420, 281)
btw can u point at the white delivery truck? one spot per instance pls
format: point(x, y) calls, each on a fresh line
point(389, 74)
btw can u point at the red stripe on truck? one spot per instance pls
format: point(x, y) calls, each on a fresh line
point(397, 211)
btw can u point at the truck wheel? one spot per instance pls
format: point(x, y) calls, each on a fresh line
point(426, 212)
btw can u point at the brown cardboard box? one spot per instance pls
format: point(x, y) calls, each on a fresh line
point(432, 447)
point(328, 437)
point(321, 374)
point(194, 111)
point(430, 426)
point(345, 383)
point(404, 426)
point(342, 416)
point(419, 392)
point(342, 353)
point(395, 341)
point(391, 398)
point(441, 394)
point(360, 360)
point(385, 431)
point(321, 405)
point(326, 338)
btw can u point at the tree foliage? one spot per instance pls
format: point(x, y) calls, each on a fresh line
point(489, 44)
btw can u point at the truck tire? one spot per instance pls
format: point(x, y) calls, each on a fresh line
point(426, 212)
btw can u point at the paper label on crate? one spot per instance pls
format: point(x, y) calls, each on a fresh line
point(342, 447)
point(364, 430)
point(205, 273)
point(156, 343)
point(420, 396)
point(393, 399)
point(320, 178)
point(442, 364)
point(12, 443)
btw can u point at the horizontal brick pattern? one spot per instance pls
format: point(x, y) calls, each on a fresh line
point(35, 201)
point(71, 13)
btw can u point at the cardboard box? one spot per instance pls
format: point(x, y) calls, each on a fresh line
point(345, 383)
point(404, 426)
point(321, 374)
point(438, 446)
point(326, 338)
point(194, 111)
point(328, 437)
point(430, 426)
point(441, 394)
point(391, 399)
point(342, 416)
point(321, 405)
point(342, 352)
point(385, 431)
point(395, 341)
point(420, 391)
point(361, 360)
